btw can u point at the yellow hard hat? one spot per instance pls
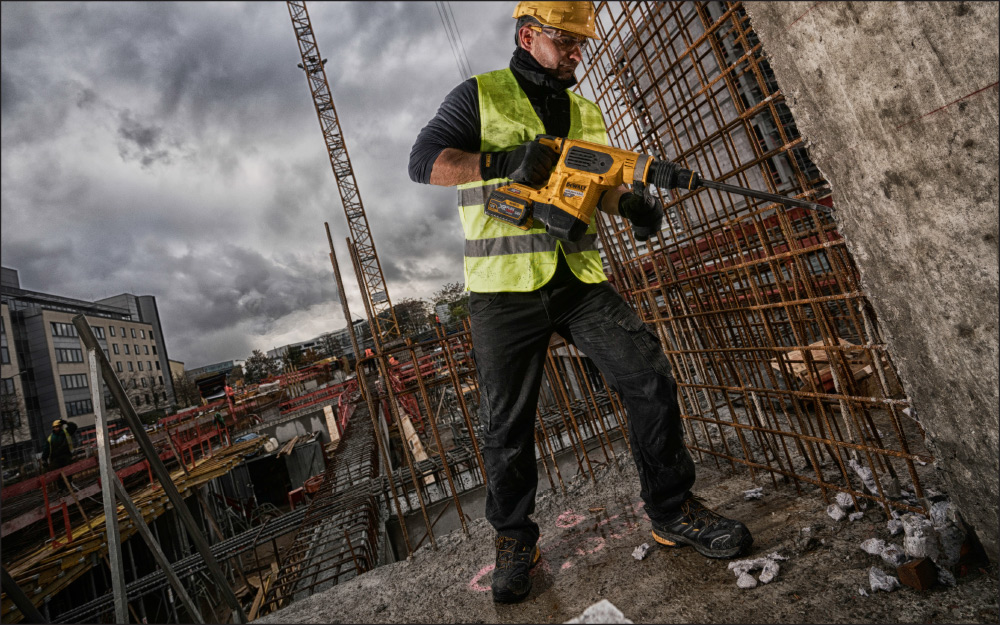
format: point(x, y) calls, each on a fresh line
point(57, 423)
point(575, 17)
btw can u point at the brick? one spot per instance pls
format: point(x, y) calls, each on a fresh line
point(919, 574)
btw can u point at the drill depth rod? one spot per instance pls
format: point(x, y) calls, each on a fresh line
point(762, 195)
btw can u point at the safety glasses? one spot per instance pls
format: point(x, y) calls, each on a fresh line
point(563, 41)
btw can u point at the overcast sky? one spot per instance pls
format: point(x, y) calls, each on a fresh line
point(172, 149)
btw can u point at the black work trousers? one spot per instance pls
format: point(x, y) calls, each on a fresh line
point(510, 336)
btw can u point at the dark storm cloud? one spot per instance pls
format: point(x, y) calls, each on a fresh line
point(173, 149)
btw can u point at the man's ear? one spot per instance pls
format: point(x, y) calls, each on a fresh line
point(527, 37)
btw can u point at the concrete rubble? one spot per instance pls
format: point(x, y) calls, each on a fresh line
point(880, 580)
point(754, 493)
point(601, 612)
point(768, 565)
point(640, 552)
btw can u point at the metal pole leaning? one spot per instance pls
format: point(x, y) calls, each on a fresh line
point(108, 476)
point(161, 559)
point(27, 608)
point(118, 392)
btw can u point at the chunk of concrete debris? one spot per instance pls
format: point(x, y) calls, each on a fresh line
point(895, 526)
point(844, 501)
point(601, 612)
point(880, 580)
point(873, 546)
point(893, 555)
point(835, 512)
point(855, 516)
point(743, 568)
point(866, 475)
point(946, 577)
point(754, 493)
point(862, 591)
point(640, 552)
point(770, 572)
point(746, 581)
point(920, 540)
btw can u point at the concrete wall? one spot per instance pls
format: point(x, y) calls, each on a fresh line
point(899, 104)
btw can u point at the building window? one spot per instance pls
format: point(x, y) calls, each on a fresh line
point(145, 349)
point(148, 400)
point(118, 366)
point(73, 381)
point(123, 331)
point(126, 348)
point(154, 350)
point(114, 346)
point(133, 332)
point(157, 363)
point(142, 333)
point(136, 349)
point(144, 379)
point(149, 365)
point(77, 408)
point(131, 367)
point(140, 369)
point(11, 419)
point(4, 355)
point(112, 329)
point(7, 387)
point(161, 380)
point(69, 355)
point(98, 332)
point(63, 329)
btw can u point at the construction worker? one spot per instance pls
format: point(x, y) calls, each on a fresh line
point(525, 285)
point(58, 449)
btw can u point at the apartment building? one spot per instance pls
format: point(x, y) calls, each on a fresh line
point(48, 371)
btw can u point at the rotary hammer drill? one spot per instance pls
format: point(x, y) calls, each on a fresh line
point(565, 204)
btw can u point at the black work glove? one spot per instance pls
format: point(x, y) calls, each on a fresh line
point(643, 210)
point(529, 163)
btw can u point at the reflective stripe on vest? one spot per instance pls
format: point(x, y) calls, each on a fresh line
point(498, 256)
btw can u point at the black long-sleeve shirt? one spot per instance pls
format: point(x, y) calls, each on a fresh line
point(457, 124)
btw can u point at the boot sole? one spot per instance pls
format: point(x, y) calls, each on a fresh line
point(513, 598)
point(676, 540)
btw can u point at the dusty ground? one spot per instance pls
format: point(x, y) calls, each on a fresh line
point(587, 541)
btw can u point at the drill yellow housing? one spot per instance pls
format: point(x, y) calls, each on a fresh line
point(565, 204)
point(567, 201)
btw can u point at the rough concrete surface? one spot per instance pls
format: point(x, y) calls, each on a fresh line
point(898, 103)
point(589, 534)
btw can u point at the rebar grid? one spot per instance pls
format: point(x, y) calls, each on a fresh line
point(339, 535)
point(427, 399)
point(780, 364)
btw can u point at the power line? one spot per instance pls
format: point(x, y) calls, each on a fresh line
point(454, 38)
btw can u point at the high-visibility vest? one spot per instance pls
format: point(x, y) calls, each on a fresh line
point(69, 440)
point(499, 256)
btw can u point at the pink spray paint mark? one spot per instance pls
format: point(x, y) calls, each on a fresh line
point(566, 565)
point(569, 519)
point(483, 572)
point(597, 542)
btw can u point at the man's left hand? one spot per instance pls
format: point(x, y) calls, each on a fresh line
point(643, 210)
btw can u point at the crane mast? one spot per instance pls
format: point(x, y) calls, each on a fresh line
point(382, 320)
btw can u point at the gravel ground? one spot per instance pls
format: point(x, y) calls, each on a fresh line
point(589, 535)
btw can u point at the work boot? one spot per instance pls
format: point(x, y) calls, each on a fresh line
point(711, 534)
point(515, 559)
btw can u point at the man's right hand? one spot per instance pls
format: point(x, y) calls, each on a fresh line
point(529, 163)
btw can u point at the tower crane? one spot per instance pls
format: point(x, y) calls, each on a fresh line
point(382, 319)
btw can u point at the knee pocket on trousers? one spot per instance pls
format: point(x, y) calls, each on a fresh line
point(647, 343)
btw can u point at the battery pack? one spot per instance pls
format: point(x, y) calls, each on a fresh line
point(509, 208)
